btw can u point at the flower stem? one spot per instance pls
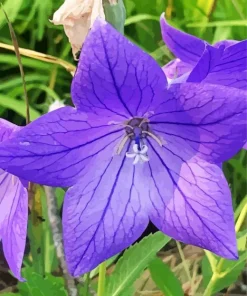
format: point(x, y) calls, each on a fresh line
point(217, 271)
point(241, 218)
point(210, 286)
point(87, 281)
point(56, 228)
point(212, 260)
point(101, 282)
point(186, 268)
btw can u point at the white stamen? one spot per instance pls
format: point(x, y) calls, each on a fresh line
point(138, 155)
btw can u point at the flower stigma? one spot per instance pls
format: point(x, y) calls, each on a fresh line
point(139, 155)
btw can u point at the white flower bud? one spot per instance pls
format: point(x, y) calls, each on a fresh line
point(56, 105)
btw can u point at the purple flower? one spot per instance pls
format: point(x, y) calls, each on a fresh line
point(13, 210)
point(134, 151)
point(224, 63)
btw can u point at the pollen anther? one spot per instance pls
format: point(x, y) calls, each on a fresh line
point(154, 137)
point(123, 142)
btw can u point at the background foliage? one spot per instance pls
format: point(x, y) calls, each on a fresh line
point(177, 271)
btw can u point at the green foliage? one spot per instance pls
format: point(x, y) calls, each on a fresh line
point(115, 14)
point(133, 262)
point(18, 106)
point(208, 19)
point(165, 279)
point(11, 9)
point(230, 272)
point(11, 294)
point(227, 271)
point(41, 286)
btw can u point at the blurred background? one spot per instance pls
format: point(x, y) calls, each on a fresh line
point(210, 20)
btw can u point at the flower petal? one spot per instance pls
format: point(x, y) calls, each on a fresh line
point(195, 206)
point(176, 68)
point(225, 43)
point(6, 129)
point(184, 46)
point(104, 212)
point(13, 220)
point(116, 77)
point(225, 67)
point(197, 118)
point(56, 148)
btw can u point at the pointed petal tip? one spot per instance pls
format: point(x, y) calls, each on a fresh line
point(232, 255)
point(229, 252)
point(163, 17)
point(20, 278)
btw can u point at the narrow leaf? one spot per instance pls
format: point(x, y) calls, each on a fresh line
point(17, 106)
point(164, 278)
point(17, 53)
point(228, 23)
point(140, 17)
point(230, 272)
point(133, 262)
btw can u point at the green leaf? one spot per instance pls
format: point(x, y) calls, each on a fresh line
point(17, 106)
point(140, 17)
point(115, 14)
point(133, 262)
point(222, 33)
point(95, 271)
point(12, 10)
point(41, 286)
point(228, 23)
point(44, 9)
point(241, 240)
point(240, 206)
point(35, 232)
point(230, 272)
point(129, 291)
point(130, 6)
point(60, 197)
point(50, 257)
point(13, 81)
point(11, 294)
point(10, 60)
point(164, 278)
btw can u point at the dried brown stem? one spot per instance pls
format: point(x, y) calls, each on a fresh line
point(56, 229)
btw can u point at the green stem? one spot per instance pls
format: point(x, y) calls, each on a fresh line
point(241, 218)
point(217, 271)
point(101, 282)
point(186, 268)
point(210, 286)
point(87, 282)
point(240, 208)
point(212, 260)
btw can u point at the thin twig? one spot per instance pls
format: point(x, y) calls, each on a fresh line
point(186, 268)
point(56, 229)
point(17, 53)
point(85, 283)
point(42, 57)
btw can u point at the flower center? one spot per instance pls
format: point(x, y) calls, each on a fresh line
point(137, 129)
